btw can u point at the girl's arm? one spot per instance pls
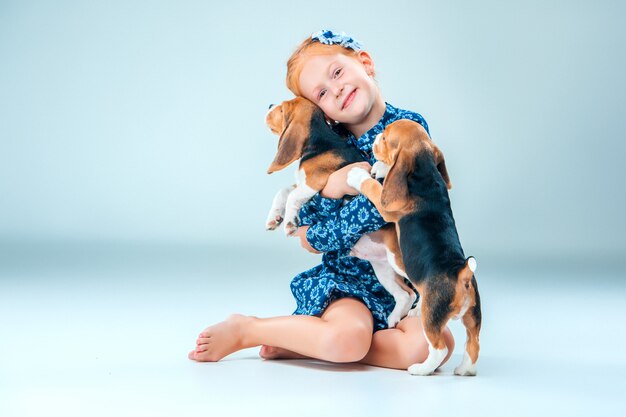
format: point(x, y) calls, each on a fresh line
point(326, 225)
point(337, 185)
point(345, 227)
point(301, 233)
point(328, 201)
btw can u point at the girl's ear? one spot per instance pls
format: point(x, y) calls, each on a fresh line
point(395, 194)
point(367, 61)
point(290, 145)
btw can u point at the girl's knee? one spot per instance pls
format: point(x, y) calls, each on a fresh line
point(348, 336)
point(347, 343)
point(417, 352)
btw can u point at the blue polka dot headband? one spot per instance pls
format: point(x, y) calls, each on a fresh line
point(328, 37)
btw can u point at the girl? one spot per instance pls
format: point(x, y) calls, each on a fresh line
point(342, 310)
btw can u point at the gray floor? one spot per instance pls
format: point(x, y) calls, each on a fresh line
point(104, 330)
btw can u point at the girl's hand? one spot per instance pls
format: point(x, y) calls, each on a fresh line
point(337, 185)
point(301, 233)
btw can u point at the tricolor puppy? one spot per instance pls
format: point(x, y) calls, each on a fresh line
point(415, 197)
point(305, 135)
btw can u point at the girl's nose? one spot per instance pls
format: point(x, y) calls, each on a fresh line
point(337, 89)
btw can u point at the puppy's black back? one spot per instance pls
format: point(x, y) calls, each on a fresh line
point(324, 139)
point(429, 233)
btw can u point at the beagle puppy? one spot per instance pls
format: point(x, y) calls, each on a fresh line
point(414, 195)
point(306, 135)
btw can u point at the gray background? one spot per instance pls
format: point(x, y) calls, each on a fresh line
point(143, 121)
point(133, 196)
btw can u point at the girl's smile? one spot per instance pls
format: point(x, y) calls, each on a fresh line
point(349, 99)
point(343, 88)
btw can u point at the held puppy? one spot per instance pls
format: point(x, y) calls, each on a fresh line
point(414, 196)
point(305, 134)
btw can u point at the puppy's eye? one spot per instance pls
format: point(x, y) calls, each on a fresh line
point(383, 138)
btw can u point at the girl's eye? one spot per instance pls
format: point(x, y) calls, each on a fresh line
point(336, 74)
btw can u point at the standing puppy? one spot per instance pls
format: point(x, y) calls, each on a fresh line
point(414, 196)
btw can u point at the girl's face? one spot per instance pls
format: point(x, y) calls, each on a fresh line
point(340, 85)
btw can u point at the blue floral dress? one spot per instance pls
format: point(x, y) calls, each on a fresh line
point(333, 229)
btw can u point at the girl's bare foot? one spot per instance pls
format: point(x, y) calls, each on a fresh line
point(221, 339)
point(272, 352)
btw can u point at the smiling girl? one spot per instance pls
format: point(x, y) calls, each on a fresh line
point(342, 310)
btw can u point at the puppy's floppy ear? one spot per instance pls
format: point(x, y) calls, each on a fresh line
point(440, 163)
point(395, 194)
point(290, 145)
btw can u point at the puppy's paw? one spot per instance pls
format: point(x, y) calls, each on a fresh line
point(432, 362)
point(291, 227)
point(465, 371)
point(417, 310)
point(380, 170)
point(466, 368)
point(356, 177)
point(420, 369)
point(404, 301)
point(273, 222)
point(414, 312)
point(394, 318)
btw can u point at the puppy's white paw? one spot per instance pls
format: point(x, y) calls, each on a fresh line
point(466, 368)
point(432, 362)
point(273, 221)
point(404, 301)
point(291, 227)
point(417, 310)
point(420, 369)
point(356, 177)
point(465, 371)
point(394, 318)
point(414, 312)
point(380, 170)
point(277, 212)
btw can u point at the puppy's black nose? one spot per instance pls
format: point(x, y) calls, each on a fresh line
point(270, 107)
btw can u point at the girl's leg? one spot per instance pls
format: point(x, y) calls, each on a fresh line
point(403, 345)
point(396, 348)
point(273, 352)
point(342, 334)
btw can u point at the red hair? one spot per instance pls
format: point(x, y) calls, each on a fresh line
point(310, 47)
